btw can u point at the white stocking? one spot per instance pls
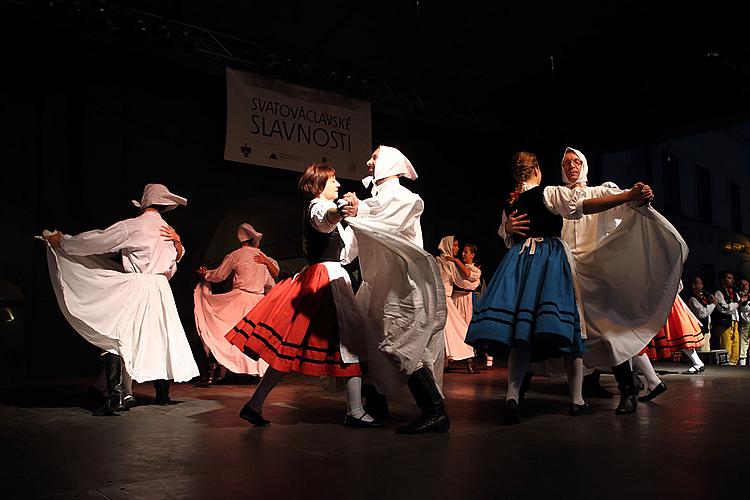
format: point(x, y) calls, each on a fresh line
point(266, 385)
point(574, 367)
point(518, 363)
point(696, 360)
point(354, 400)
point(647, 369)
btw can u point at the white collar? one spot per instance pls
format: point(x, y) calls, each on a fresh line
point(386, 186)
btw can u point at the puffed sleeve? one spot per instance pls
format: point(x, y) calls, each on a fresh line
point(319, 215)
point(563, 201)
point(507, 238)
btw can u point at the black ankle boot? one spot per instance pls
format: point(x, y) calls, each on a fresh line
point(592, 387)
point(624, 376)
point(376, 405)
point(113, 371)
point(161, 388)
point(471, 367)
point(427, 396)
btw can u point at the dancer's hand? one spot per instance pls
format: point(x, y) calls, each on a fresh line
point(517, 223)
point(202, 271)
point(54, 239)
point(261, 259)
point(169, 234)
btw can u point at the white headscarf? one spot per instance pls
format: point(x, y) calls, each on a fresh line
point(390, 162)
point(246, 232)
point(158, 194)
point(446, 246)
point(583, 176)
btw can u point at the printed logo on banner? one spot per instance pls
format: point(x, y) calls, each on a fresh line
point(288, 126)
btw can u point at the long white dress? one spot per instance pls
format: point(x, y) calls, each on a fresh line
point(401, 296)
point(456, 324)
point(216, 314)
point(628, 264)
point(125, 307)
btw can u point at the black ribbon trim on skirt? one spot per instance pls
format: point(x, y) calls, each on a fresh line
point(281, 339)
point(290, 358)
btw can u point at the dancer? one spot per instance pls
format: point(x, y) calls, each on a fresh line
point(126, 308)
point(253, 275)
point(531, 306)
point(681, 332)
point(310, 323)
point(401, 296)
point(727, 315)
point(628, 289)
point(744, 324)
point(453, 271)
point(702, 304)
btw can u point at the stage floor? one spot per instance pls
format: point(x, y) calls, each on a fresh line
point(691, 443)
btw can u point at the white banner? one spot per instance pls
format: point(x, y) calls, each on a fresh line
point(281, 125)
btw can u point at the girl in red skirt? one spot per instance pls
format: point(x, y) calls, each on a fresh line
point(310, 323)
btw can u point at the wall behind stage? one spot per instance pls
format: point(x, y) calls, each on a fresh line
point(86, 125)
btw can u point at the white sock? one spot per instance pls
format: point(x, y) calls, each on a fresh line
point(354, 400)
point(574, 367)
point(518, 363)
point(647, 369)
point(743, 361)
point(266, 385)
point(690, 353)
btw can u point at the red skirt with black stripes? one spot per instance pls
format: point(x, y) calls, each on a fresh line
point(682, 331)
point(295, 329)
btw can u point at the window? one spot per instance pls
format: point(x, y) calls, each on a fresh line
point(671, 174)
point(735, 204)
point(705, 203)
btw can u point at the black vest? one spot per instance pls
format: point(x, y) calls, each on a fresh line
point(720, 318)
point(320, 247)
point(543, 223)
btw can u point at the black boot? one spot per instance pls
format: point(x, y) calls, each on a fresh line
point(113, 371)
point(592, 388)
point(161, 387)
point(471, 367)
point(427, 396)
point(376, 405)
point(624, 376)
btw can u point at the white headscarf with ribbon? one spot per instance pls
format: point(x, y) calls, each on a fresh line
point(390, 162)
point(158, 194)
point(446, 246)
point(246, 232)
point(583, 175)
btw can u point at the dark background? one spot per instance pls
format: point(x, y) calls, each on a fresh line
point(91, 112)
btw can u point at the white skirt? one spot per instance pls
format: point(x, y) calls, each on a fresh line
point(215, 315)
point(130, 314)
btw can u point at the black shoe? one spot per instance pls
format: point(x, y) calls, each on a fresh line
point(253, 416)
point(628, 404)
point(578, 410)
point(351, 421)
point(511, 413)
point(425, 424)
point(659, 389)
point(128, 401)
point(471, 367)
